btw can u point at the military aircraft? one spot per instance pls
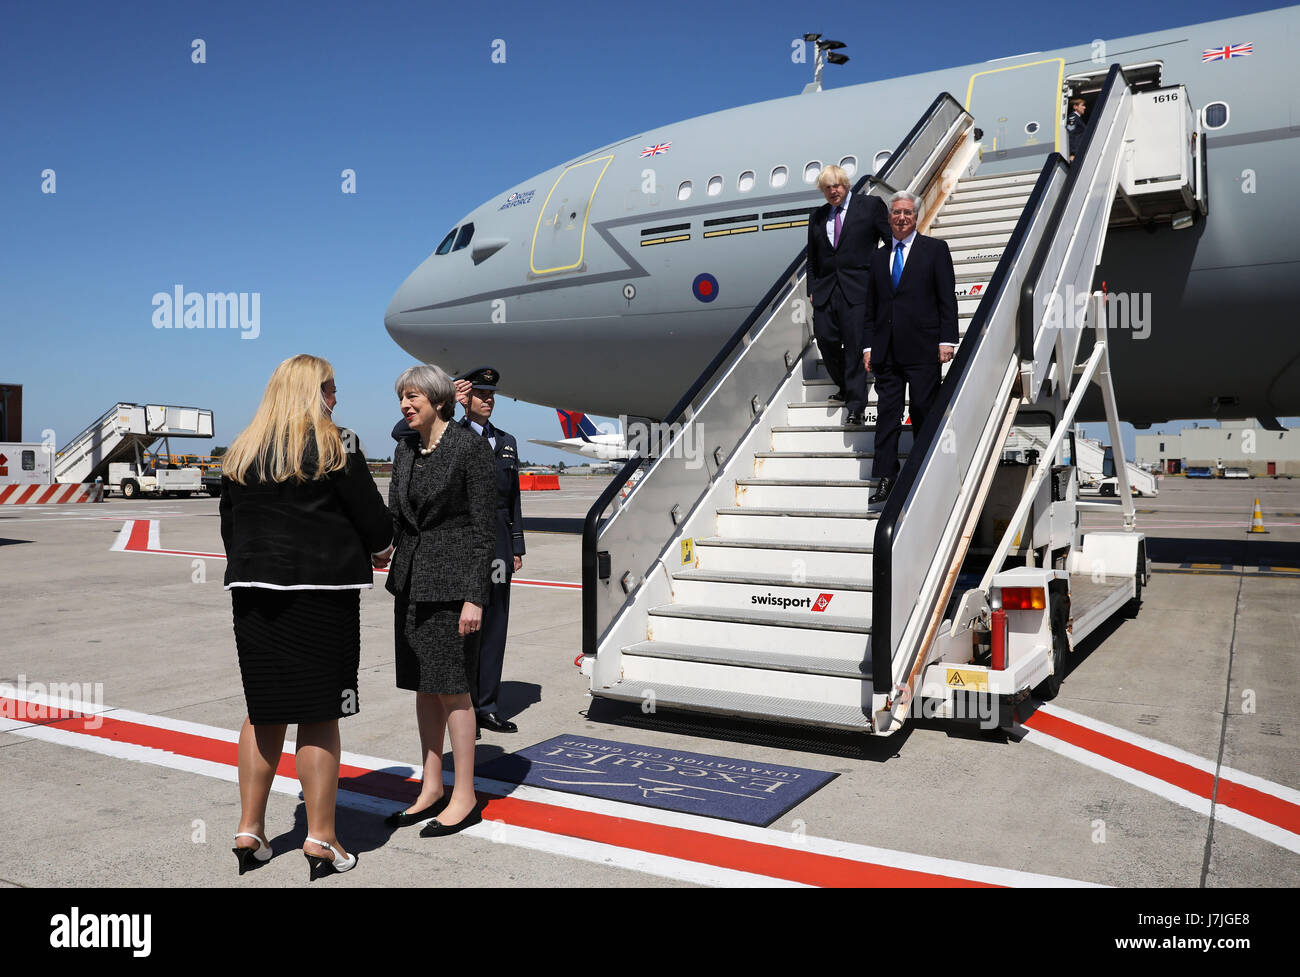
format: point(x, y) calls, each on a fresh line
point(629, 265)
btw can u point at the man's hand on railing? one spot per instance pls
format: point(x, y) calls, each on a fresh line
point(945, 352)
point(866, 360)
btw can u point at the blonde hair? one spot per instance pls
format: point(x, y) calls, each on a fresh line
point(832, 176)
point(292, 415)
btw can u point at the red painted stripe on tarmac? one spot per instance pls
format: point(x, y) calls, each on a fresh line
point(1247, 800)
point(773, 861)
point(138, 541)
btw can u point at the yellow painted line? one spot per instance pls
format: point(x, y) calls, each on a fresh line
point(1286, 569)
point(1209, 566)
point(1060, 84)
point(582, 242)
point(665, 240)
point(731, 230)
point(776, 227)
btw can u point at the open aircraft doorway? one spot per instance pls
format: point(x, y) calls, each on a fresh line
point(1019, 109)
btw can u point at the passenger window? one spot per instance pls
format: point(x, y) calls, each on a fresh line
point(447, 242)
point(745, 182)
point(463, 238)
point(715, 186)
point(880, 159)
point(1216, 115)
point(811, 171)
point(684, 191)
point(849, 164)
point(779, 175)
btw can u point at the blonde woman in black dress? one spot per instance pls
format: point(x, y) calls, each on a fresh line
point(443, 500)
point(302, 524)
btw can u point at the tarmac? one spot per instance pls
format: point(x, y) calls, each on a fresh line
point(1199, 680)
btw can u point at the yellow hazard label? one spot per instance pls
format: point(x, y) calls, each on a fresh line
point(688, 551)
point(960, 678)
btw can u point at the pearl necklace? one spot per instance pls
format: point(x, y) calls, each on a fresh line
point(425, 452)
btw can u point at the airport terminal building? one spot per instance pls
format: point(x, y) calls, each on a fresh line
point(1234, 444)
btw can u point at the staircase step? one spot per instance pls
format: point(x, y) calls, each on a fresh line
point(811, 560)
point(818, 465)
point(780, 493)
point(988, 192)
point(745, 592)
point(747, 706)
point(752, 658)
point(1020, 178)
point(793, 630)
point(857, 527)
point(964, 219)
point(1011, 201)
point(861, 437)
point(977, 235)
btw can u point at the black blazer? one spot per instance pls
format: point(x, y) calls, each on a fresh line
point(908, 325)
point(443, 519)
point(865, 225)
point(316, 534)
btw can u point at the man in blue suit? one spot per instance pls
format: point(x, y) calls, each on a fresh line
point(910, 329)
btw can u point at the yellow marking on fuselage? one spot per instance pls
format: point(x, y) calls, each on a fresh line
point(1060, 84)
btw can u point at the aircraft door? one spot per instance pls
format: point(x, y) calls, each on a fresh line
point(1018, 107)
point(559, 239)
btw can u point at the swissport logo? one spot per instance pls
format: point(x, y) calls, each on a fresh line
point(771, 600)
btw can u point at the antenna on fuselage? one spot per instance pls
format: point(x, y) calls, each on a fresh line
point(826, 51)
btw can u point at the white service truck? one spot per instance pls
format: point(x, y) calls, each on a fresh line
point(132, 481)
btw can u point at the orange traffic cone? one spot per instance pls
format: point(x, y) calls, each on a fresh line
point(1257, 520)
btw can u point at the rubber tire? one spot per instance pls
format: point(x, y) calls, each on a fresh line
point(1059, 615)
point(130, 490)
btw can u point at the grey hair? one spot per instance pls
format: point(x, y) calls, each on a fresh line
point(907, 195)
point(433, 383)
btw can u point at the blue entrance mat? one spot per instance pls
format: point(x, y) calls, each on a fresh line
point(675, 780)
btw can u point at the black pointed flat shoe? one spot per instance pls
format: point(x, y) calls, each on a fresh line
point(436, 829)
point(403, 819)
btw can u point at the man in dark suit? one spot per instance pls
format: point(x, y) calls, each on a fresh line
point(842, 235)
point(910, 328)
point(477, 391)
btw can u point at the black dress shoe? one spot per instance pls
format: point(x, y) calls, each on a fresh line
point(436, 829)
point(838, 397)
point(853, 418)
point(882, 491)
point(401, 819)
point(495, 723)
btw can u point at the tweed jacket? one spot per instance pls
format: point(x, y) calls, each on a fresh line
point(311, 535)
point(444, 518)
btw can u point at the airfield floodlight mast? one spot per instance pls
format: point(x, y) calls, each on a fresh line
point(819, 62)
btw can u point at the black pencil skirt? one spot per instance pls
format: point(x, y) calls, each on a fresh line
point(299, 651)
point(431, 654)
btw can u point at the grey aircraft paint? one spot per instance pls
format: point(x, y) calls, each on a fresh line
point(584, 283)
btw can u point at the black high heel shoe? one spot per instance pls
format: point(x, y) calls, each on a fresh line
point(319, 866)
point(404, 819)
point(251, 857)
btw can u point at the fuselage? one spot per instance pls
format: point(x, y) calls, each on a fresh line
point(607, 283)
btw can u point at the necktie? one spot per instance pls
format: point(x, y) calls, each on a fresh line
point(898, 263)
point(839, 222)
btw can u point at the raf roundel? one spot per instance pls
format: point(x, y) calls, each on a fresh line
point(705, 287)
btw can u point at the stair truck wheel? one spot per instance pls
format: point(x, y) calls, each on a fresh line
point(130, 489)
point(1060, 620)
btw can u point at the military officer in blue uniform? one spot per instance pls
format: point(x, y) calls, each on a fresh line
point(476, 390)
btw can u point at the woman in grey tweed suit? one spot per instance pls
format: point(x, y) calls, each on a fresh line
point(443, 501)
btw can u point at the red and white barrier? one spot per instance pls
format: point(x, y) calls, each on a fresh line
point(15, 493)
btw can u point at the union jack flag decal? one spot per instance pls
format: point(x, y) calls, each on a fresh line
point(656, 149)
point(1226, 52)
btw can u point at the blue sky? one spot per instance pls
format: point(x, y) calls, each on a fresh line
point(226, 175)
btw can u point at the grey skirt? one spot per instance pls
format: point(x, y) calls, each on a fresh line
point(430, 652)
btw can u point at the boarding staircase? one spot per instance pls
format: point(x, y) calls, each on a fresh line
point(124, 433)
point(745, 574)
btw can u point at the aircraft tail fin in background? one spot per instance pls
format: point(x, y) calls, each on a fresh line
point(576, 424)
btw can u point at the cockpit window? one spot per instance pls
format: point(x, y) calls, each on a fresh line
point(462, 239)
point(445, 246)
